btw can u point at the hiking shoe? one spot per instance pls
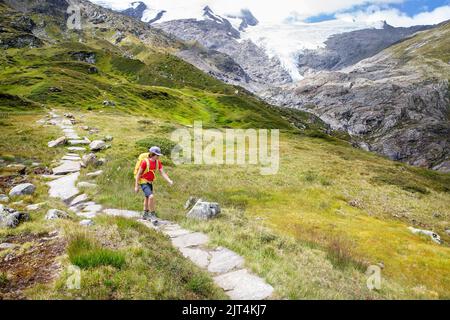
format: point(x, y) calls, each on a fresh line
point(147, 216)
point(153, 218)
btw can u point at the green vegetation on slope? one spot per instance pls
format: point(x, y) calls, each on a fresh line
point(310, 231)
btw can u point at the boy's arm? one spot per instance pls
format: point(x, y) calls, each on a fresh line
point(138, 177)
point(165, 176)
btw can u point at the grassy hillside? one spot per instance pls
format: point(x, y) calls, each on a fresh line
point(311, 230)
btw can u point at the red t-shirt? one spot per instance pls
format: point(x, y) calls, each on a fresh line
point(149, 176)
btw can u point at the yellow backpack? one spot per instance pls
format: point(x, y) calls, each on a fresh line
point(143, 156)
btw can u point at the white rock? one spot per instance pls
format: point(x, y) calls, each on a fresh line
point(67, 167)
point(22, 189)
point(87, 215)
point(93, 208)
point(224, 260)
point(64, 188)
point(434, 236)
point(76, 149)
point(78, 142)
point(89, 159)
point(174, 231)
point(197, 256)
point(203, 210)
point(81, 198)
point(190, 240)
point(58, 142)
point(241, 285)
point(86, 223)
point(71, 158)
point(97, 145)
point(6, 245)
point(34, 207)
point(53, 214)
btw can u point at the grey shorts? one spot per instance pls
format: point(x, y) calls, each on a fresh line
point(147, 188)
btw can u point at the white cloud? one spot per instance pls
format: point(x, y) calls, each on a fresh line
point(277, 11)
point(397, 18)
point(264, 10)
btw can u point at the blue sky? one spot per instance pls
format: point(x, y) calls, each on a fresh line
point(409, 8)
point(399, 13)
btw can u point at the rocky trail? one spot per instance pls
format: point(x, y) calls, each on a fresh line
point(225, 266)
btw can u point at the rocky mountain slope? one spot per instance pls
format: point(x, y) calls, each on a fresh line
point(118, 80)
point(386, 105)
point(218, 34)
point(395, 103)
point(346, 49)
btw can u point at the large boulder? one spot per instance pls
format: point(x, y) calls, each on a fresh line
point(203, 210)
point(11, 218)
point(433, 236)
point(89, 159)
point(54, 214)
point(58, 142)
point(97, 145)
point(22, 189)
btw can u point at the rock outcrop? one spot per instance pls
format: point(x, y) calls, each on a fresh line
point(395, 103)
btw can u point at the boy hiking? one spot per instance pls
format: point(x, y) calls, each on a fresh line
point(145, 169)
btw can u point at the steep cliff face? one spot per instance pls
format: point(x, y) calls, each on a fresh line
point(218, 34)
point(395, 103)
point(346, 49)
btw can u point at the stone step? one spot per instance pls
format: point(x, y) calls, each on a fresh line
point(242, 285)
point(76, 149)
point(71, 158)
point(67, 167)
point(64, 188)
point(79, 142)
point(190, 240)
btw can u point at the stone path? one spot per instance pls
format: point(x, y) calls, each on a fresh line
point(226, 266)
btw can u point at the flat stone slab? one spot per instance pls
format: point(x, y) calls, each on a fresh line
point(197, 256)
point(72, 136)
point(67, 167)
point(174, 231)
point(87, 215)
point(122, 213)
point(78, 142)
point(241, 285)
point(71, 158)
point(79, 199)
point(64, 188)
point(224, 260)
point(190, 240)
point(93, 208)
point(76, 149)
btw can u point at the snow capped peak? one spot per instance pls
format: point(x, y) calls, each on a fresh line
point(209, 14)
point(284, 40)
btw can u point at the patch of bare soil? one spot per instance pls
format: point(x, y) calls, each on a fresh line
point(32, 261)
point(9, 181)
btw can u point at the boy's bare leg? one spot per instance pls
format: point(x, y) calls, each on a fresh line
point(146, 204)
point(152, 203)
